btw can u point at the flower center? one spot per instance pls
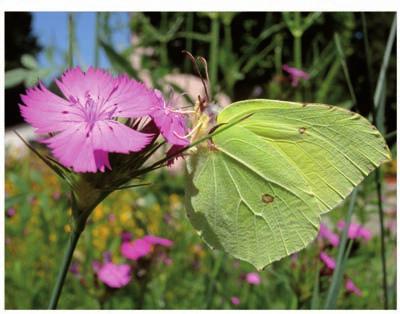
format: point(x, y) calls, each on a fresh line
point(93, 110)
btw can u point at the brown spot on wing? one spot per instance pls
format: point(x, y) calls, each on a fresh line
point(302, 130)
point(266, 198)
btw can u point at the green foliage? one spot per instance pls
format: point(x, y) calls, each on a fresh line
point(36, 236)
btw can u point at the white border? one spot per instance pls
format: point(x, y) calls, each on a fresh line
point(177, 5)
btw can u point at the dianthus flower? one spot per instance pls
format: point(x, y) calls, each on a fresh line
point(143, 246)
point(327, 260)
point(253, 278)
point(326, 233)
point(114, 275)
point(86, 125)
point(295, 74)
point(352, 288)
point(355, 230)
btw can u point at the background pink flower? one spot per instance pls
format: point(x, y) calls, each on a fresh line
point(158, 240)
point(235, 300)
point(327, 260)
point(115, 276)
point(326, 233)
point(352, 288)
point(253, 278)
point(295, 74)
point(355, 230)
point(143, 246)
point(136, 249)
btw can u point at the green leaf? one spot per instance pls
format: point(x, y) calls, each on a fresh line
point(29, 62)
point(258, 192)
point(14, 77)
point(118, 61)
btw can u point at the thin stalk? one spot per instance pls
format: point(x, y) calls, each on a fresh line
point(345, 69)
point(327, 82)
point(97, 40)
point(337, 276)
point(64, 269)
point(379, 91)
point(194, 36)
point(216, 270)
point(163, 43)
point(278, 55)
point(315, 294)
point(382, 238)
point(189, 40)
point(71, 38)
point(214, 54)
point(385, 62)
point(367, 52)
point(297, 34)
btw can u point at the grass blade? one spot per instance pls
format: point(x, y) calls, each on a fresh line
point(345, 68)
point(378, 117)
point(382, 73)
point(337, 277)
point(118, 61)
point(71, 39)
point(315, 295)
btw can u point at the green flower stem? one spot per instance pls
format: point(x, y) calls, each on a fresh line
point(71, 39)
point(341, 258)
point(297, 33)
point(382, 239)
point(97, 41)
point(64, 268)
point(214, 54)
point(189, 40)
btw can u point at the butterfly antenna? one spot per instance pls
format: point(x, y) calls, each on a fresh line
point(204, 62)
point(196, 67)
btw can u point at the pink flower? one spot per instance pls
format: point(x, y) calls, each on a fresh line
point(325, 232)
point(115, 276)
point(253, 278)
point(157, 240)
point(11, 212)
point(74, 268)
point(142, 247)
point(84, 122)
point(170, 122)
point(355, 231)
point(235, 300)
point(328, 261)
point(126, 236)
point(352, 288)
point(295, 74)
point(136, 249)
point(96, 265)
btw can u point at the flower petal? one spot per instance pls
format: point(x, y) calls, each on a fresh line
point(133, 99)
point(172, 126)
point(112, 136)
point(158, 240)
point(76, 84)
point(136, 249)
point(47, 112)
point(74, 149)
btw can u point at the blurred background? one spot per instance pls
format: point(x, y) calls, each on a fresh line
point(341, 58)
